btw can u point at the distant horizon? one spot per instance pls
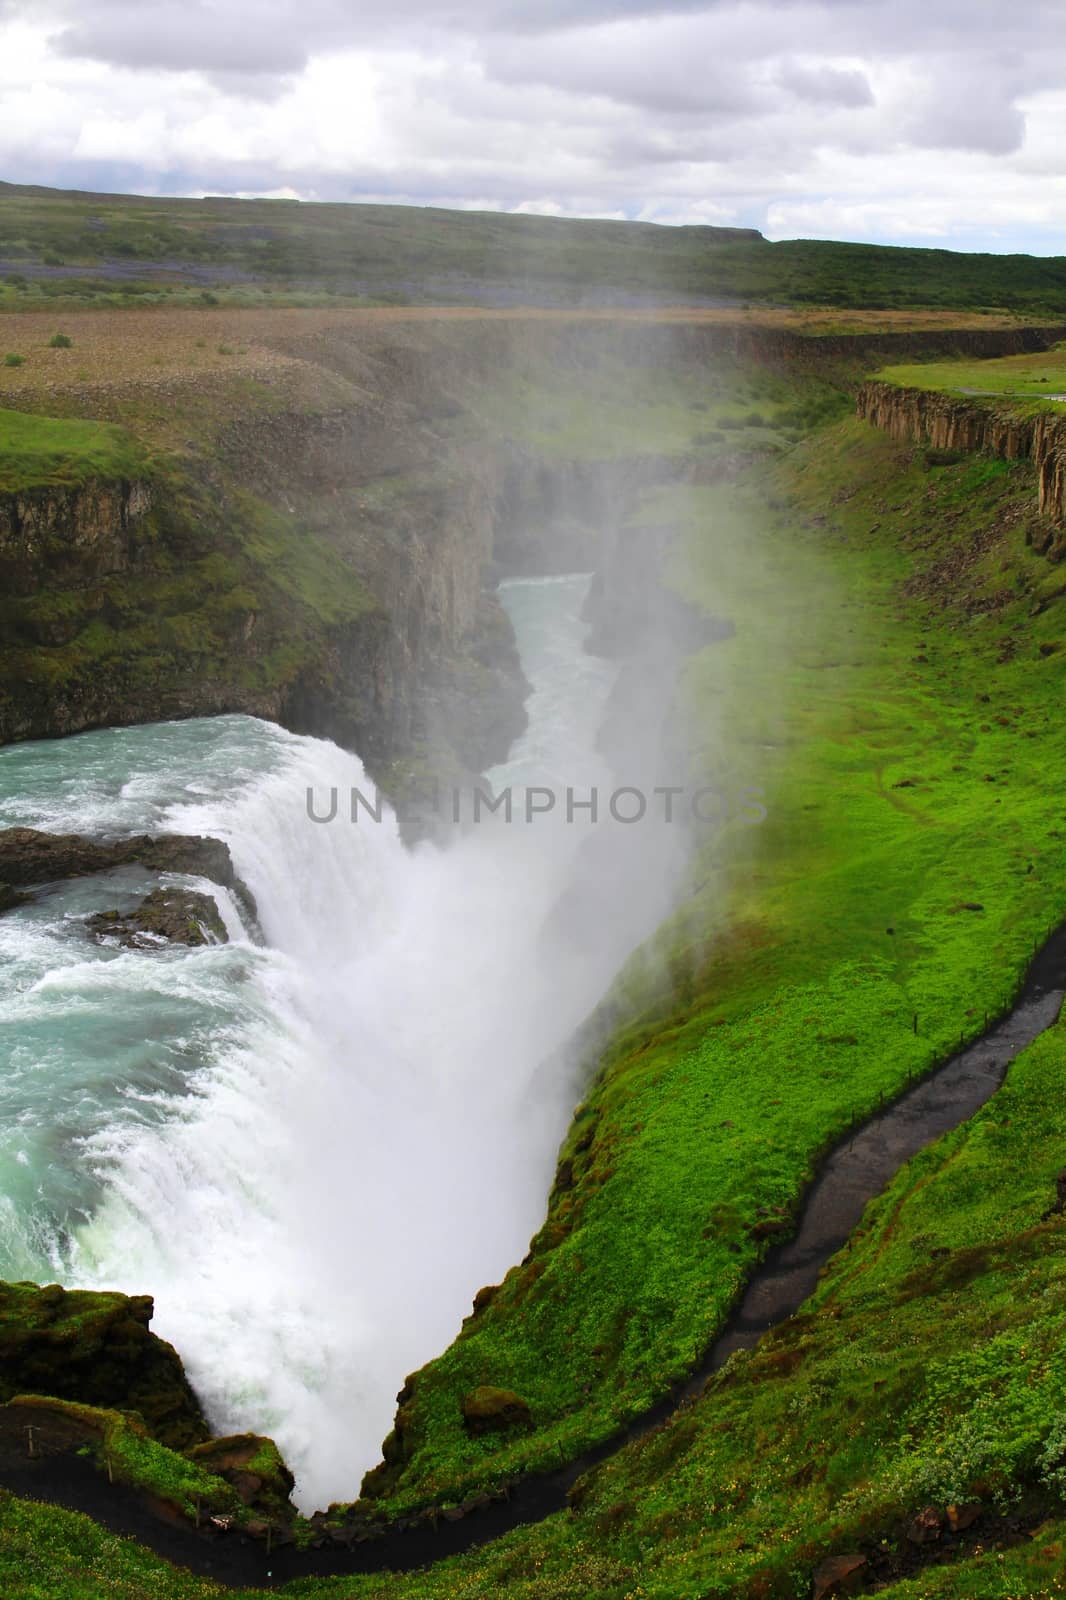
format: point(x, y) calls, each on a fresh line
point(848, 120)
point(954, 247)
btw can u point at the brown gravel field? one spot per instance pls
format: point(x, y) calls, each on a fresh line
point(168, 373)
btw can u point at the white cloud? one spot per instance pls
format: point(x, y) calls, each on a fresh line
point(854, 118)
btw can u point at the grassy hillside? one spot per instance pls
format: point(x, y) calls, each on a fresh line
point(1032, 377)
point(894, 686)
point(891, 693)
point(56, 245)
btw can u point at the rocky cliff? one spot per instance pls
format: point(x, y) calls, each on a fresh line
point(946, 422)
point(74, 535)
point(96, 1349)
point(319, 545)
point(325, 557)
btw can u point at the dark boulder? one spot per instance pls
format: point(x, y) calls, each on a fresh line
point(254, 1467)
point(489, 1410)
point(180, 916)
point(838, 1575)
point(29, 856)
point(926, 1527)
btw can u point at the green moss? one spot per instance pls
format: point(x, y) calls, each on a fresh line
point(94, 1348)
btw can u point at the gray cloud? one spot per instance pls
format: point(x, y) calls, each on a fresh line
point(838, 86)
point(823, 111)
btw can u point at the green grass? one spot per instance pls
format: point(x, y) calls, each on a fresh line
point(1032, 377)
point(48, 452)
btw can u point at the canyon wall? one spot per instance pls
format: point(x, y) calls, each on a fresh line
point(947, 422)
point(332, 569)
point(326, 555)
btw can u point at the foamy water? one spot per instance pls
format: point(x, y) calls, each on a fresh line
point(312, 1150)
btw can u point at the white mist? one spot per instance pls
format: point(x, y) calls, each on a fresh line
point(377, 1139)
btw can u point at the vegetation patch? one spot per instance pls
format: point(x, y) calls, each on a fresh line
point(1024, 377)
point(52, 452)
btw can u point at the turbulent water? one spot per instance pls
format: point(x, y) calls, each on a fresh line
point(315, 1146)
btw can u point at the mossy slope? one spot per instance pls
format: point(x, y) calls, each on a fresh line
point(888, 690)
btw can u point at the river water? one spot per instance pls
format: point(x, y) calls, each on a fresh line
point(314, 1145)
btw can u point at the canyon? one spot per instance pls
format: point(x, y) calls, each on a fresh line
point(317, 539)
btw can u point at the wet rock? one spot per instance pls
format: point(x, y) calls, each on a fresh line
point(95, 1349)
point(28, 855)
point(769, 1228)
point(490, 1410)
point(178, 916)
point(10, 898)
point(838, 1575)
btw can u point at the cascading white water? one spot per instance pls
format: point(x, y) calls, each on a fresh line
point(313, 1152)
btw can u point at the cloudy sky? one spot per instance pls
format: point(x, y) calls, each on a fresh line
point(919, 121)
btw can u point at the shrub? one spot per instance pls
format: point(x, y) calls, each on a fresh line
point(60, 341)
point(12, 360)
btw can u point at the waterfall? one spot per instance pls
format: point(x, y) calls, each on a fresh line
point(313, 1149)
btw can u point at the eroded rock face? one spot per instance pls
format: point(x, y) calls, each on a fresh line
point(96, 1349)
point(178, 916)
point(948, 423)
point(82, 533)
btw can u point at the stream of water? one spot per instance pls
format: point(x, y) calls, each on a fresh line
point(314, 1148)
